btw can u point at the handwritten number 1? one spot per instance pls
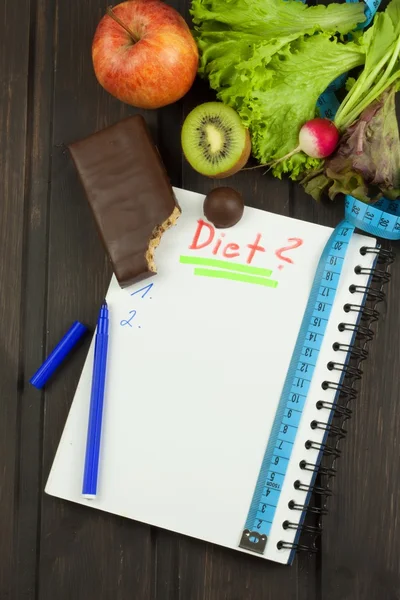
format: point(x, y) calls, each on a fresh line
point(146, 289)
point(143, 291)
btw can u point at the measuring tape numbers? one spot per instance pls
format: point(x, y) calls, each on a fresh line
point(382, 220)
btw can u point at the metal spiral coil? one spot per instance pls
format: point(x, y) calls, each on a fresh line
point(324, 448)
point(371, 294)
point(366, 313)
point(376, 275)
point(317, 510)
point(360, 331)
point(347, 369)
point(315, 489)
point(307, 466)
point(343, 391)
point(296, 547)
point(385, 256)
point(330, 428)
point(351, 350)
point(338, 411)
point(354, 353)
point(304, 528)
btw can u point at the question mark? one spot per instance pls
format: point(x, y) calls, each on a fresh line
point(279, 253)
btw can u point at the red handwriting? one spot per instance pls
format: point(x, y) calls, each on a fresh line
point(204, 236)
point(297, 242)
point(253, 248)
point(217, 245)
point(200, 226)
point(234, 247)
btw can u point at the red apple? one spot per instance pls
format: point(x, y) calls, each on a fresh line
point(144, 54)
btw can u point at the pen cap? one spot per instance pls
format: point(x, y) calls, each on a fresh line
point(60, 352)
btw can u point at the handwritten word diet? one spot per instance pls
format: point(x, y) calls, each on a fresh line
point(205, 236)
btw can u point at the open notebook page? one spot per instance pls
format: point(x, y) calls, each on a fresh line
point(197, 360)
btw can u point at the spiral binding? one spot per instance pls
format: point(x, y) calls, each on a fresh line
point(345, 393)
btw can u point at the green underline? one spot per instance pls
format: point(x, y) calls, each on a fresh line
point(236, 277)
point(224, 264)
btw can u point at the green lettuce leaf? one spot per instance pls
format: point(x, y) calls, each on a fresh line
point(366, 163)
point(220, 54)
point(263, 59)
point(393, 11)
point(381, 43)
point(228, 31)
point(275, 91)
point(271, 19)
point(282, 96)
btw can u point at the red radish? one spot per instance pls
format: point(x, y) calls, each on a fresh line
point(318, 138)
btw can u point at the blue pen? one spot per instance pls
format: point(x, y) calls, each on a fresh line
point(89, 489)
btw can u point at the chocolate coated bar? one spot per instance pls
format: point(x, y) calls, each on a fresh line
point(129, 193)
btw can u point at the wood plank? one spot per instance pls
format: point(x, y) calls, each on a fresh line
point(40, 96)
point(362, 528)
point(361, 555)
point(367, 499)
point(77, 544)
point(14, 56)
point(84, 553)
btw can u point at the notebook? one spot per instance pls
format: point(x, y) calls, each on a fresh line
point(198, 356)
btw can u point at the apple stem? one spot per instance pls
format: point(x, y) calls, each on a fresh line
point(112, 14)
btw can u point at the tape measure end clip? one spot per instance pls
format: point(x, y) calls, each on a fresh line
point(253, 541)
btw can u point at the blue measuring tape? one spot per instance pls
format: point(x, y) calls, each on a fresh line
point(371, 6)
point(381, 220)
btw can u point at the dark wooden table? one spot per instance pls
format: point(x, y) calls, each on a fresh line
point(53, 270)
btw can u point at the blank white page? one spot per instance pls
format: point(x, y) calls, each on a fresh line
point(195, 375)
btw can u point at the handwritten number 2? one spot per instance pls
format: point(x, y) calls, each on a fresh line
point(128, 321)
point(142, 291)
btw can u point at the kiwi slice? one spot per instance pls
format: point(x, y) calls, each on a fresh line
point(214, 140)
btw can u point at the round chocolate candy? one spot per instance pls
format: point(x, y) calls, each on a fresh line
point(223, 207)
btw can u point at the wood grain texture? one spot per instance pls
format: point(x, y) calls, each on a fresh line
point(365, 561)
point(114, 558)
point(14, 57)
point(53, 270)
point(38, 150)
